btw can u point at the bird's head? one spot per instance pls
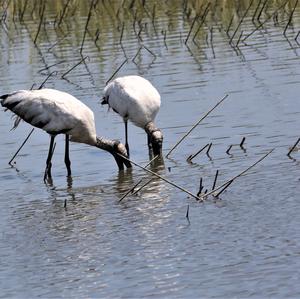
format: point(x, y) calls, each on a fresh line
point(155, 138)
point(120, 154)
point(117, 149)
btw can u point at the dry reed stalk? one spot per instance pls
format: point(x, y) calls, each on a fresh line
point(130, 190)
point(48, 67)
point(56, 43)
point(259, 15)
point(21, 146)
point(241, 21)
point(296, 38)
point(202, 20)
point(116, 71)
point(192, 26)
point(242, 142)
point(208, 149)
point(265, 21)
point(211, 42)
point(228, 150)
point(293, 147)
point(137, 53)
point(195, 125)
point(73, 67)
point(142, 187)
point(23, 11)
point(202, 197)
point(86, 26)
point(164, 32)
point(122, 31)
point(225, 187)
point(256, 10)
point(54, 73)
point(97, 34)
point(229, 25)
point(191, 157)
point(215, 180)
point(161, 177)
point(290, 18)
point(146, 48)
point(40, 24)
point(200, 187)
point(187, 213)
point(239, 39)
point(63, 12)
point(241, 145)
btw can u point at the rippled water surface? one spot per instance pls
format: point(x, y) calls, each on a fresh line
point(72, 237)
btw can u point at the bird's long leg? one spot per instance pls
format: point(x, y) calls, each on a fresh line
point(126, 137)
point(67, 157)
point(48, 162)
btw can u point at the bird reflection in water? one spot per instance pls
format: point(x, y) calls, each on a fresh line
point(127, 185)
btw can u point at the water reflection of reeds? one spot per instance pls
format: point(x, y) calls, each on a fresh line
point(153, 19)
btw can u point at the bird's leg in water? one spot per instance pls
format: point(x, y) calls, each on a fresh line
point(126, 137)
point(67, 157)
point(48, 162)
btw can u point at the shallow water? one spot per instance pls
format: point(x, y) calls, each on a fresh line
point(244, 245)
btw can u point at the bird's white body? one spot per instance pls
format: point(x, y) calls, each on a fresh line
point(133, 98)
point(55, 112)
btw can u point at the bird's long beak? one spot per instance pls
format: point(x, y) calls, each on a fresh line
point(121, 161)
point(156, 142)
point(157, 148)
point(127, 163)
point(121, 156)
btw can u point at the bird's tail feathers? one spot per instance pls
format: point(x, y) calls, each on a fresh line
point(17, 120)
point(3, 97)
point(5, 102)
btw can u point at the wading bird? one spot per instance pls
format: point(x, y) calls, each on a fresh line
point(58, 112)
point(135, 98)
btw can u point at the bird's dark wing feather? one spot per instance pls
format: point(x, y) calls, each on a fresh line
point(30, 110)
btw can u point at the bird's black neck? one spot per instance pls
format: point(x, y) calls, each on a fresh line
point(150, 128)
point(105, 144)
point(116, 148)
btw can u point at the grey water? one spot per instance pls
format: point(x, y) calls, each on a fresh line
point(72, 237)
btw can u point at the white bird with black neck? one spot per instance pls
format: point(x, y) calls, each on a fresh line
point(136, 99)
point(58, 112)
